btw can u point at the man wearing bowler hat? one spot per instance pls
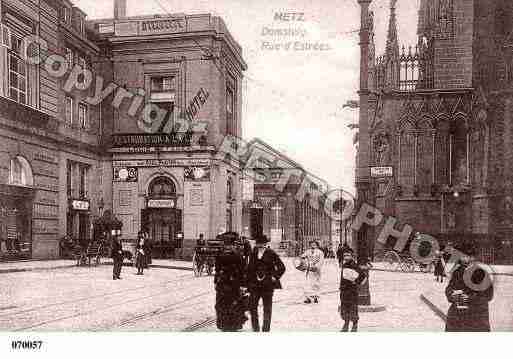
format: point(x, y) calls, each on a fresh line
point(265, 269)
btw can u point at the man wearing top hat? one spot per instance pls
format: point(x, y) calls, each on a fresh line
point(350, 278)
point(265, 269)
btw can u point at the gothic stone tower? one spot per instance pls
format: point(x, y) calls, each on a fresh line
point(440, 113)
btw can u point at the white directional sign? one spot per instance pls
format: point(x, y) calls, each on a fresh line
point(384, 171)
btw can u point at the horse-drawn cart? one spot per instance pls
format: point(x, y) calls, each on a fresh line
point(204, 257)
point(399, 261)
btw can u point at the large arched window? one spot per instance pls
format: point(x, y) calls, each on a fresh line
point(20, 172)
point(162, 187)
point(407, 155)
point(459, 152)
point(425, 151)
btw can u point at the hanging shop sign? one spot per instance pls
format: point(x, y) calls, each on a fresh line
point(383, 171)
point(197, 174)
point(79, 205)
point(161, 203)
point(125, 174)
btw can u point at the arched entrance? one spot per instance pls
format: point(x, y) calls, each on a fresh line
point(161, 219)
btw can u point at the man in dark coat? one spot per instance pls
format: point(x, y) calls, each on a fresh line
point(228, 280)
point(265, 269)
point(469, 291)
point(117, 257)
point(141, 252)
point(351, 277)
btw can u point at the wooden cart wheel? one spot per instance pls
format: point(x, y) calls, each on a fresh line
point(409, 265)
point(196, 267)
point(392, 260)
point(210, 267)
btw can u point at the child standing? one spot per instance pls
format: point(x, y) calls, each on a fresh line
point(351, 277)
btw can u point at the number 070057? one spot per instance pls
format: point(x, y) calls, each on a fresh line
point(26, 344)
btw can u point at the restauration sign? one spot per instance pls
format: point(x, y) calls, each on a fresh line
point(151, 139)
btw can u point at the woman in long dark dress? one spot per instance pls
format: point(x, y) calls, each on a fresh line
point(469, 301)
point(229, 277)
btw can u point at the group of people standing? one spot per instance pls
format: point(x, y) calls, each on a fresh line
point(241, 281)
point(259, 271)
point(142, 254)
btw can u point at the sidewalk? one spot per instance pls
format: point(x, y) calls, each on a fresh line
point(41, 265)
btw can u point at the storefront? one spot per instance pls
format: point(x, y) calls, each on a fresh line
point(161, 219)
point(79, 220)
point(15, 222)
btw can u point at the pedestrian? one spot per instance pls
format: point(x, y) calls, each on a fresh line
point(314, 258)
point(149, 250)
point(265, 269)
point(141, 251)
point(350, 278)
point(117, 257)
point(228, 280)
point(439, 267)
point(469, 291)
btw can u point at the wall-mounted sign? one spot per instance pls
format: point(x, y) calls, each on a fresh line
point(161, 26)
point(384, 171)
point(161, 203)
point(151, 140)
point(163, 163)
point(193, 174)
point(125, 174)
point(79, 205)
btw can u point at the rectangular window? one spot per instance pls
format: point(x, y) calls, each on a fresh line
point(70, 57)
point(230, 118)
point(82, 26)
point(69, 110)
point(69, 178)
point(82, 62)
point(83, 173)
point(17, 71)
point(66, 15)
point(82, 115)
point(163, 95)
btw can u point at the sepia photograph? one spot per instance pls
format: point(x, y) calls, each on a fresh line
point(284, 166)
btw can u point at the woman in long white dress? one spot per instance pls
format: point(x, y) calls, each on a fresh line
point(314, 259)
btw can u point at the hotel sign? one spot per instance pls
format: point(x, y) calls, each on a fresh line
point(380, 172)
point(162, 26)
point(161, 203)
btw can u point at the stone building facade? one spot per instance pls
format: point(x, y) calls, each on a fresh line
point(277, 202)
point(85, 134)
point(49, 138)
point(439, 116)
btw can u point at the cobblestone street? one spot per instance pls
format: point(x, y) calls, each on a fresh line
point(86, 299)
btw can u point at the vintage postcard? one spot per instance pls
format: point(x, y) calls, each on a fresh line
point(254, 166)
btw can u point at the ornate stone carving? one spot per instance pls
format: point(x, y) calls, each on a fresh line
point(381, 147)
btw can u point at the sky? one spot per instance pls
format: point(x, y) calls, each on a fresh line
point(292, 98)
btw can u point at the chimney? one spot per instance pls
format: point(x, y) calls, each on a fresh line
point(119, 9)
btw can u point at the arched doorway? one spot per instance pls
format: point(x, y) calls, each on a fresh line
point(16, 202)
point(161, 219)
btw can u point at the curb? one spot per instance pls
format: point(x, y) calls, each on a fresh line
point(17, 270)
point(434, 308)
point(417, 272)
point(20, 270)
